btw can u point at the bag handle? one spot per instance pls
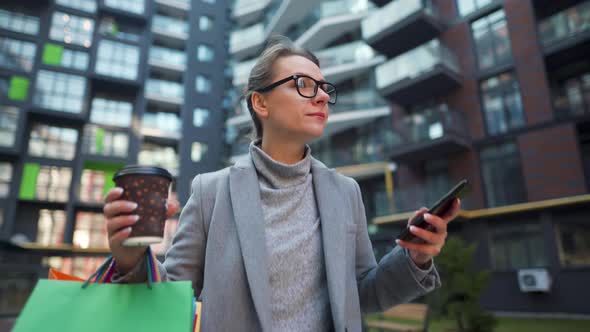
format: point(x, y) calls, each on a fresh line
point(105, 272)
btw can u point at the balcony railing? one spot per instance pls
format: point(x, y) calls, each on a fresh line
point(242, 72)
point(245, 38)
point(566, 24)
point(244, 7)
point(166, 90)
point(353, 52)
point(171, 26)
point(167, 57)
point(358, 100)
point(430, 125)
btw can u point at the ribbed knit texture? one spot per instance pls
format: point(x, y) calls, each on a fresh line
point(300, 300)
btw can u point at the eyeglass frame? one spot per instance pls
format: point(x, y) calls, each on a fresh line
point(295, 78)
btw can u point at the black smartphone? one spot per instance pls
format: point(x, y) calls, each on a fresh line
point(439, 208)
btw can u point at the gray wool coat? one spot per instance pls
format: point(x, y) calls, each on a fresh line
point(220, 246)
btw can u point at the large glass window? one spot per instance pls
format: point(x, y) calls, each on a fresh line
point(118, 29)
point(572, 97)
point(200, 117)
point(111, 112)
point(103, 142)
point(518, 246)
point(5, 177)
point(117, 59)
point(502, 175)
point(59, 91)
point(198, 151)
point(156, 155)
point(57, 55)
point(132, 6)
point(573, 239)
point(502, 104)
point(203, 84)
point(71, 29)
point(50, 227)
point(84, 5)
point(492, 43)
point(161, 124)
point(205, 23)
point(90, 231)
point(8, 125)
point(205, 53)
point(19, 22)
point(467, 7)
point(53, 142)
point(17, 54)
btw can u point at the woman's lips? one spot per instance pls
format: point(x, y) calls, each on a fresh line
point(319, 115)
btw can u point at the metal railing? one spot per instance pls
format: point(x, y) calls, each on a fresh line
point(565, 24)
point(393, 13)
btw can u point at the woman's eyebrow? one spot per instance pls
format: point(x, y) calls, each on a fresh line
point(305, 74)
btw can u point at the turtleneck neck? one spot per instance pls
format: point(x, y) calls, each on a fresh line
point(277, 174)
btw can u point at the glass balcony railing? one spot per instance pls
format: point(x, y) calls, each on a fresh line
point(242, 72)
point(566, 24)
point(243, 7)
point(415, 63)
point(163, 88)
point(353, 52)
point(392, 14)
point(244, 38)
point(167, 56)
point(327, 9)
point(358, 100)
point(429, 125)
point(170, 25)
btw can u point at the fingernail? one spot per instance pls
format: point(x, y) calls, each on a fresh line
point(135, 218)
point(396, 241)
point(128, 229)
point(119, 189)
point(133, 205)
point(412, 228)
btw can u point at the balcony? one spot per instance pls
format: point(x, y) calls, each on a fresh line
point(242, 72)
point(355, 109)
point(241, 116)
point(248, 11)
point(401, 25)
point(164, 93)
point(247, 41)
point(179, 6)
point(346, 61)
point(430, 134)
point(167, 60)
point(565, 36)
point(330, 20)
point(430, 69)
point(171, 29)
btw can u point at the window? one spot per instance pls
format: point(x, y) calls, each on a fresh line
point(518, 246)
point(17, 54)
point(117, 59)
point(102, 142)
point(200, 117)
point(50, 227)
point(163, 156)
point(5, 176)
point(71, 29)
point(83, 5)
point(164, 88)
point(492, 43)
point(502, 104)
point(203, 84)
point(161, 124)
point(132, 6)
point(198, 151)
point(110, 27)
point(205, 23)
point(90, 231)
point(53, 142)
point(59, 91)
point(8, 125)
point(57, 55)
point(205, 53)
point(572, 97)
point(46, 183)
point(502, 175)
point(467, 7)
point(19, 22)
point(573, 240)
point(111, 112)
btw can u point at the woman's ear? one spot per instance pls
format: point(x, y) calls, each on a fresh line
point(259, 105)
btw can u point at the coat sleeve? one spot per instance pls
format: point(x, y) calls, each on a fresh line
point(390, 282)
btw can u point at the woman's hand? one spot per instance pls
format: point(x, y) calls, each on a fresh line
point(119, 220)
point(421, 254)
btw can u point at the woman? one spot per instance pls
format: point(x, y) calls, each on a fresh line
point(278, 242)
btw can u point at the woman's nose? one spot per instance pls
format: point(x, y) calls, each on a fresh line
point(321, 97)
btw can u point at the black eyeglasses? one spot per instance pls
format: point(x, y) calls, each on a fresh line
point(306, 87)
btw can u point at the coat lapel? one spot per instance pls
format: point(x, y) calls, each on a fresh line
point(333, 221)
point(247, 208)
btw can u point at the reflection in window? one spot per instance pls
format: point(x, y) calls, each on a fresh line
point(198, 151)
point(205, 53)
point(111, 112)
point(132, 6)
point(71, 29)
point(90, 231)
point(490, 34)
point(8, 125)
point(117, 59)
point(50, 227)
point(156, 155)
point(499, 163)
point(467, 7)
point(19, 22)
point(74, 59)
point(5, 177)
point(102, 142)
point(83, 5)
point(518, 246)
point(161, 124)
point(203, 84)
point(164, 88)
point(502, 104)
point(205, 23)
point(60, 92)
point(17, 54)
point(200, 117)
point(53, 142)
point(573, 239)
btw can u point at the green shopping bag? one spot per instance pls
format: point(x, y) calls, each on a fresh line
point(68, 306)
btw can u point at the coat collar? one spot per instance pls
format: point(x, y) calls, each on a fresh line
point(247, 208)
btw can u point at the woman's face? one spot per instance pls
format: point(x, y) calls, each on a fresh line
point(288, 112)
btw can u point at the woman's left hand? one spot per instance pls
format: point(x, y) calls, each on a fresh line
point(422, 254)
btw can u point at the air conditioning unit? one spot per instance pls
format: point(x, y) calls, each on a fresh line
point(534, 280)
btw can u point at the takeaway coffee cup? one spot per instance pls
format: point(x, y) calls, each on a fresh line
point(147, 186)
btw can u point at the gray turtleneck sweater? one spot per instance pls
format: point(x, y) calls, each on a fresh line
point(293, 237)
